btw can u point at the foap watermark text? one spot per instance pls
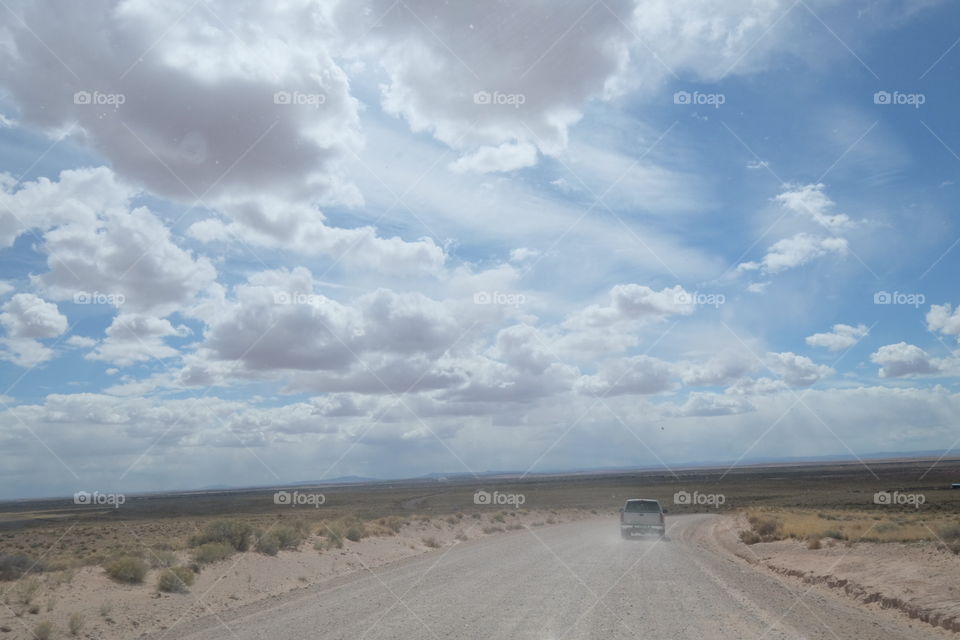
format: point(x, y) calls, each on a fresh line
point(496, 498)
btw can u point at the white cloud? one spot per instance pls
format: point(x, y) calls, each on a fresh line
point(126, 256)
point(810, 200)
point(197, 117)
point(135, 338)
point(723, 368)
point(28, 316)
point(940, 318)
point(302, 228)
point(27, 319)
point(841, 337)
point(443, 60)
point(796, 371)
point(78, 196)
point(902, 359)
point(635, 375)
point(506, 157)
point(634, 302)
point(81, 342)
point(711, 404)
point(795, 251)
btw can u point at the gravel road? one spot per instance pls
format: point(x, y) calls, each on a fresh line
point(575, 580)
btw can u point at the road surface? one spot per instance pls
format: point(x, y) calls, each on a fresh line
point(570, 581)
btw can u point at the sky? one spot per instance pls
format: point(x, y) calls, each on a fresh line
point(254, 244)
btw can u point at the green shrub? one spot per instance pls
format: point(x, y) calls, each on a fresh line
point(75, 623)
point(27, 589)
point(767, 527)
point(290, 536)
point(127, 569)
point(236, 534)
point(162, 559)
point(268, 544)
point(212, 552)
point(950, 533)
point(43, 631)
point(355, 532)
point(14, 565)
point(175, 580)
point(394, 523)
point(749, 536)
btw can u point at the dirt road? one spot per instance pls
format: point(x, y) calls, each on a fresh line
point(576, 580)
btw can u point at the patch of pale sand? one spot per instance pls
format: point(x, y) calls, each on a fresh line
point(920, 579)
point(247, 577)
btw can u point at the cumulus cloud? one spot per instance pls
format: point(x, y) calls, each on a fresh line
point(129, 258)
point(27, 319)
point(902, 359)
point(723, 368)
point(493, 93)
point(302, 228)
point(137, 338)
point(636, 375)
point(842, 336)
point(28, 316)
point(634, 302)
point(795, 251)
point(941, 318)
point(78, 196)
point(796, 371)
point(182, 98)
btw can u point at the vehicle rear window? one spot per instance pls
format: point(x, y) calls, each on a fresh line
point(642, 506)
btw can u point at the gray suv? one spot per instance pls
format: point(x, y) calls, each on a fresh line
point(640, 517)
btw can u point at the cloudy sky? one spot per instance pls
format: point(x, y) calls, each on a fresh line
point(248, 243)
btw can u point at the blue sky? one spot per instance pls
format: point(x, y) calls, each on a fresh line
point(462, 239)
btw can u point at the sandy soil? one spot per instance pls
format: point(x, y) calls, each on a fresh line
point(117, 611)
point(918, 579)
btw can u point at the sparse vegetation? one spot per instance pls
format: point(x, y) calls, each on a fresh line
point(431, 542)
point(175, 580)
point(128, 569)
point(210, 552)
point(848, 526)
point(233, 532)
point(43, 631)
point(162, 559)
point(15, 565)
point(75, 623)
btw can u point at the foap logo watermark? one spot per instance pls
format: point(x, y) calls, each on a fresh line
point(97, 499)
point(499, 99)
point(99, 99)
point(482, 497)
point(702, 99)
point(896, 498)
point(298, 499)
point(885, 297)
point(699, 499)
point(499, 298)
point(896, 97)
point(95, 297)
point(299, 98)
point(297, 297)
point(700, 299)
